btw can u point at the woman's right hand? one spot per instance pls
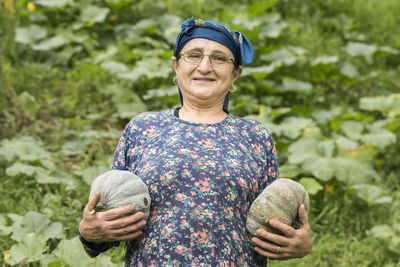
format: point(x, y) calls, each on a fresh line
point(110, 225)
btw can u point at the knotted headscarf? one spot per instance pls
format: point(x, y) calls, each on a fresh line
point(235, 41)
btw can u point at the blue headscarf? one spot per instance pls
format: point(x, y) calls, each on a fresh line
point(235, 41)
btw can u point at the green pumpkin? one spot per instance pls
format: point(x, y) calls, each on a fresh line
point(121, 188)
point(281, 201)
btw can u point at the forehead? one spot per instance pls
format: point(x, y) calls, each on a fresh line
point(206, 46)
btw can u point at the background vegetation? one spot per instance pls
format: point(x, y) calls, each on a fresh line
point(325, 80)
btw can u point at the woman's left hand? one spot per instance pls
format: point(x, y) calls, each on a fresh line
point(293, 244)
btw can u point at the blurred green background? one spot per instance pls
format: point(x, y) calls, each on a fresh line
point(325, 81)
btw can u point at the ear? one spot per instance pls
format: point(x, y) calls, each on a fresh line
point(175, 63)
point(236, 73)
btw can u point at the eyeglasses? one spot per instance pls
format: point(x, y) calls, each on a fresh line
point(195, 57)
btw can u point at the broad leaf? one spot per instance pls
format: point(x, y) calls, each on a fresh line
point(311, 185)
point(72, 253)
point(94, 14)
point(292, 127)
point(353, 172)
point(19, 168)
point(75, 147)
point(52, 3)
point(51, 43)
point(23, 148)
point(352, 129)
point(349, 70)
point(34, 222)
point(380, 103)
point(30, 34)
point(372, 194)
point(382, 231)
point(322, 168)
point(289, 84)
point(31, 247)
point(301, 150)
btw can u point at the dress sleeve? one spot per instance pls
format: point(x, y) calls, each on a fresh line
point(270, 167)
point(121, 159)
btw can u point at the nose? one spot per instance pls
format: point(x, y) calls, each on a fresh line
point(205, 64)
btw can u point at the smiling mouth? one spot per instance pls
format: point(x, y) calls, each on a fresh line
point(203, 79)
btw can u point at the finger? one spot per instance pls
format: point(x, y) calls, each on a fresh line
point(303, 216)
point(287, 230)
point(265, 245)
point(271, 255)
point(272, 238)
point(93, 201)
point(116, 213)
point(127, 221)
point(130, 236)
point(135, 227)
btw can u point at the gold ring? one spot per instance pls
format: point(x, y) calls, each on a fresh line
point(278, 249)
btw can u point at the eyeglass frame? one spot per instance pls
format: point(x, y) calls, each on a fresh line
point(209, 59)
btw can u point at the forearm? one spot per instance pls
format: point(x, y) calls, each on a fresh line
point(93, 249)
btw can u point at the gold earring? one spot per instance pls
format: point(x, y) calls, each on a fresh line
point(233, 88)
point(175, 80)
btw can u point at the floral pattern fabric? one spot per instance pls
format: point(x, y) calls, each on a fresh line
point(202, 180)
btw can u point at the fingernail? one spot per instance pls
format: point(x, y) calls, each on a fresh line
point(93, 211)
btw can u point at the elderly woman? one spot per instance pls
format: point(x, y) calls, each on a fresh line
point(203, 166)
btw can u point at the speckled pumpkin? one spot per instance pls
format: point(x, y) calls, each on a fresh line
point(281, 201)
point(121, 188)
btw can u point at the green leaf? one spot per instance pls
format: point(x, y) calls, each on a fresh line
point(325, 60)
point(94, 14)
point(34, 222)
point(361, 49)
point(349, 70)
point(322, 168)
point(289, 171)
point(261, 71)
point(345, 143)
point(383, 104)
point(5, 229)
point(51, 3)
point(301, 150)
point(311, 185)
point(23, 148)
point(31, 247)
point(382, 231)
point(292, 127)
point(284, 56)
point(324, 116)
point(72, 253)
point(51, 43)
point(326, 148)
point(160, 92)
point(351, 172)
point(372, 194)
point(114, 67)
point(272, 30)
point(352, 129)
point(380, 139)
point(153, 67)
point(30, 34)
point(293, 85)
point(19, 168)
point(75, 147)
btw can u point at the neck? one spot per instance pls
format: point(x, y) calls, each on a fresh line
point(202, 115)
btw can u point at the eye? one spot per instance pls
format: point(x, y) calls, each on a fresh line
point(194, 55)
point(219, 59)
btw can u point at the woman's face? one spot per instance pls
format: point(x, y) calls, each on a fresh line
point(202, 83)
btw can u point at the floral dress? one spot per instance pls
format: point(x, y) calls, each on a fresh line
point(202, 180)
